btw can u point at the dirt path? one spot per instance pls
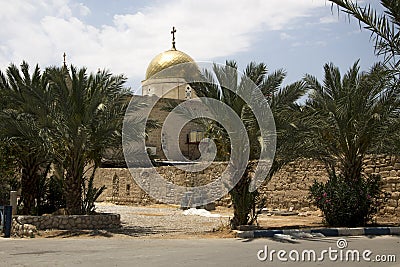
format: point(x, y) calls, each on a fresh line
point(167, 221)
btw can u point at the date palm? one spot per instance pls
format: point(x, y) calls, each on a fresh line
point(351, 116)
point(87, 117)
point(385, 31)
point(282, 101)
point(25, 126)
point(384, 27)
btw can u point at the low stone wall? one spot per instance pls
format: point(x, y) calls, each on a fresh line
point(69, 222)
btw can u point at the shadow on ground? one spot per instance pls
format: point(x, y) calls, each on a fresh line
point(128, 231)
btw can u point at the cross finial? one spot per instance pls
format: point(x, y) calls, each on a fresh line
point(173, 37)
point(64, 56)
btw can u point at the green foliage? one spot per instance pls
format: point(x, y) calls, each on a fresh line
point(25, 126)
point(385, 32)
point(349, 117)
point(60, 116)
point(347, 203)
point(282, 101)
point(384, 27)
point(90, 194)
point(247, 205)
point(8, 174)
point(87, 119)
point(53, 197)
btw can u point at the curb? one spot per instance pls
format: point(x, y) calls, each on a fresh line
point(324, 231)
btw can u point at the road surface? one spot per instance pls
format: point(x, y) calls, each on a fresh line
point(192, 252)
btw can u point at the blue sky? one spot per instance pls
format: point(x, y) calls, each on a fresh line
point(299, 36)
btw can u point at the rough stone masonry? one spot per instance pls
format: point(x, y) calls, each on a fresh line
point(288, 188)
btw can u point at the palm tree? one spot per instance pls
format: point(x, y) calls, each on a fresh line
point(385, 32)
point(283, 104)
point(87, 116)
point(25, 126)
point(384, 27)
point(350, 116)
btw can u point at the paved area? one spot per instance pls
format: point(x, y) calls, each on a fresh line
point(189, 252)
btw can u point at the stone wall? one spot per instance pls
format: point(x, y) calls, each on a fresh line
point(388, 167)
point(157, 141)
point(68, 222)
point(121, 187)
point(288, 188)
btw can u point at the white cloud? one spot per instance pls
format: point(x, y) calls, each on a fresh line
point(83, 10)
point(41, 32)
point(329, 19)
point(285, 36)
point(309, 43)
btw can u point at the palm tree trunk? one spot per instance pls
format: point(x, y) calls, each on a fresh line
point(29, 181)
point(73, 196)
point(242, 200)
point(73, 186)
point(351, 168)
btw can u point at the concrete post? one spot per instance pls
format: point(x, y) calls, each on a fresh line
point(13, 202)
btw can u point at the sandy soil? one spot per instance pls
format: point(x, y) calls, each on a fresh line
point(168, 221)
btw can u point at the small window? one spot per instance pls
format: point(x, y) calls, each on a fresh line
point(196, 136)
point(188, 93)
point(115, 191)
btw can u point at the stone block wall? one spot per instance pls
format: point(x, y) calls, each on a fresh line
point(155, 138)
point(288, 188)
point(68, 222)
point(388, 167)
point(122, 188)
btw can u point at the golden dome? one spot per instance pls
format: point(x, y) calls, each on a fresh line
point(165, 60)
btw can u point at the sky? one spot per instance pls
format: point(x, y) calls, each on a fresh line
point(123, 36)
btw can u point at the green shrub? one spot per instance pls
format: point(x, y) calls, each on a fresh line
point(90, 194)
point(52, 195)
point(347, 203)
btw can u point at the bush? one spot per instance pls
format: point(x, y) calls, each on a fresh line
point(90, 194)
point(347, 203)
point(52, 198)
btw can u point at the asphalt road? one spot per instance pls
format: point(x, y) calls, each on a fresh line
point(192, 252)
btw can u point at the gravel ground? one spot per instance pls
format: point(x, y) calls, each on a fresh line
point(164, 220)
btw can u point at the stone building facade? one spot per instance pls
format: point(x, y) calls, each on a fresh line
point(156, 141)
point(167, 81)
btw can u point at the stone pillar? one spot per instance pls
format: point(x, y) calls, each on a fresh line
point(13, 202)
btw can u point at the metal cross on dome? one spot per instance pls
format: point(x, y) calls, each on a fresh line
point(64, 56)
point(173, 37)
